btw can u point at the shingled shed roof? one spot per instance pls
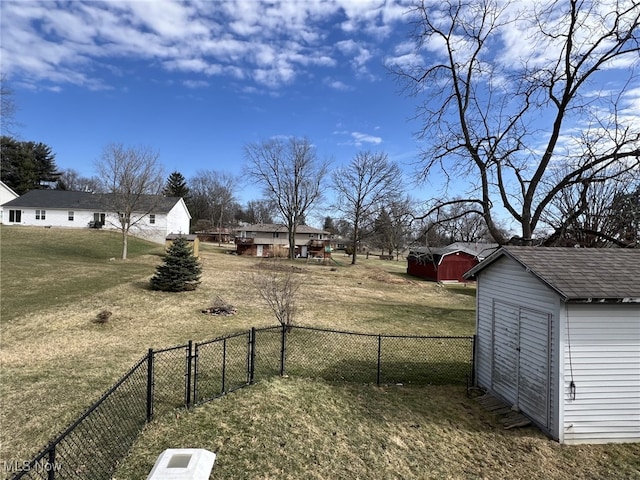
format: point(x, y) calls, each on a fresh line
point(475, 249)
point(579, 274)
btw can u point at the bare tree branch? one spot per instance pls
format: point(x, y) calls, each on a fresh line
point(509, 125)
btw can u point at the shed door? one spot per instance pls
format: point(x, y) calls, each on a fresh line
point(533, 382)
point(505, 351)
point(258, 250)
point(521, 359)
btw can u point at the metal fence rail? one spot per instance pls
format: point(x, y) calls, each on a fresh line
point(186, 375)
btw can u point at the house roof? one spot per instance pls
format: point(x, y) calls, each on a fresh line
point(6, 188)
point(578, 274)
point(64, 199)
point(274, 227)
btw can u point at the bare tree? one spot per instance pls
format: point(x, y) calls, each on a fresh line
point(458, 225)
point(132, 178)
point(598, 216)
point(7, 108)
point(291, 176)
point(278, 287)
point(71, 180)
point(362, 187)
point(509, 97)
point(213, 195)
point(259, 211)
point(401, 213)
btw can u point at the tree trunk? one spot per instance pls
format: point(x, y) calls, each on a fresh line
point(355, 244)
point(125, 240)
point(292, 244)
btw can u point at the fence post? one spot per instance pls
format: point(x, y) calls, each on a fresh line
point(283, 349)
point(187, 390)
point(195, 375)
point(474, 341)
point(224, 363)
point(252, 354)
point(149, 385)
point(379, 359)
point(52, 463)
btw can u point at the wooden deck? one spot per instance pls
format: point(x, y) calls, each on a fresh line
point(509, 417)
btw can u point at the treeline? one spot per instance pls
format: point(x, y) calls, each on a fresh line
point(365, 201)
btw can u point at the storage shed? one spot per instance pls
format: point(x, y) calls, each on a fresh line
point(192, 240)
point(447, 264)
point(558, 337)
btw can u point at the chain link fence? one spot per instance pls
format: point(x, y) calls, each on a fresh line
point(221, 366)
point(93, 445)
point(191, 374)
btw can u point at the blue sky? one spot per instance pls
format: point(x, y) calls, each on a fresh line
point(199, 81)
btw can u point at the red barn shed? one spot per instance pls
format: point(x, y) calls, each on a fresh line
point(447, 264)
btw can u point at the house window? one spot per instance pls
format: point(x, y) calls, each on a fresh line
point(276, 235)
point(70, 216)
point(15, 216)
point(41, 214)
point(152, 218)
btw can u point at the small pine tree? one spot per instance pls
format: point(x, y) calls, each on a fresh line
point(181, 270)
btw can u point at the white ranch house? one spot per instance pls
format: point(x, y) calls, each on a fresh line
point(558, 337)
point(156, 218)
point(6, 195)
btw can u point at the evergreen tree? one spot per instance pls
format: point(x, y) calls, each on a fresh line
point(329, 225)
point(181, 270)
point(176, 186)
point(27, 165)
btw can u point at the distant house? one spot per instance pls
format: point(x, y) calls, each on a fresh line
point(339, 243)
point(271, 240)
point(6, 195)
point(216, 235)
point(558, 338)
point(158, 216)
point(447, 264)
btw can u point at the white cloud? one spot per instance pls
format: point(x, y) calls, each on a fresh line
point(272, 43)
point(195, 83)
point(361, 138)
point(358, 139)
point(337, 85)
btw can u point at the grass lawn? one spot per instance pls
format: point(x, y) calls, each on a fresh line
point(293, 428)
point(55, 361)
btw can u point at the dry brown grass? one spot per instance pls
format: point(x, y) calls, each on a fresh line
point(57, 360)
point(307, 429)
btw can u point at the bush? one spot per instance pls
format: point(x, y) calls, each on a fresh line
point(180, 271)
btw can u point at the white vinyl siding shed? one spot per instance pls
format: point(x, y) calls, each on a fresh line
point(558, 336)
point(602, 359)
point(516, 354)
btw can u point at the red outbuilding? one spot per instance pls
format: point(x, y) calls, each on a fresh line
point(447, 264)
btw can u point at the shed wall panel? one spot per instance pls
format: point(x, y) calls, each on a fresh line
point(507, 282)
point(601, 353)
